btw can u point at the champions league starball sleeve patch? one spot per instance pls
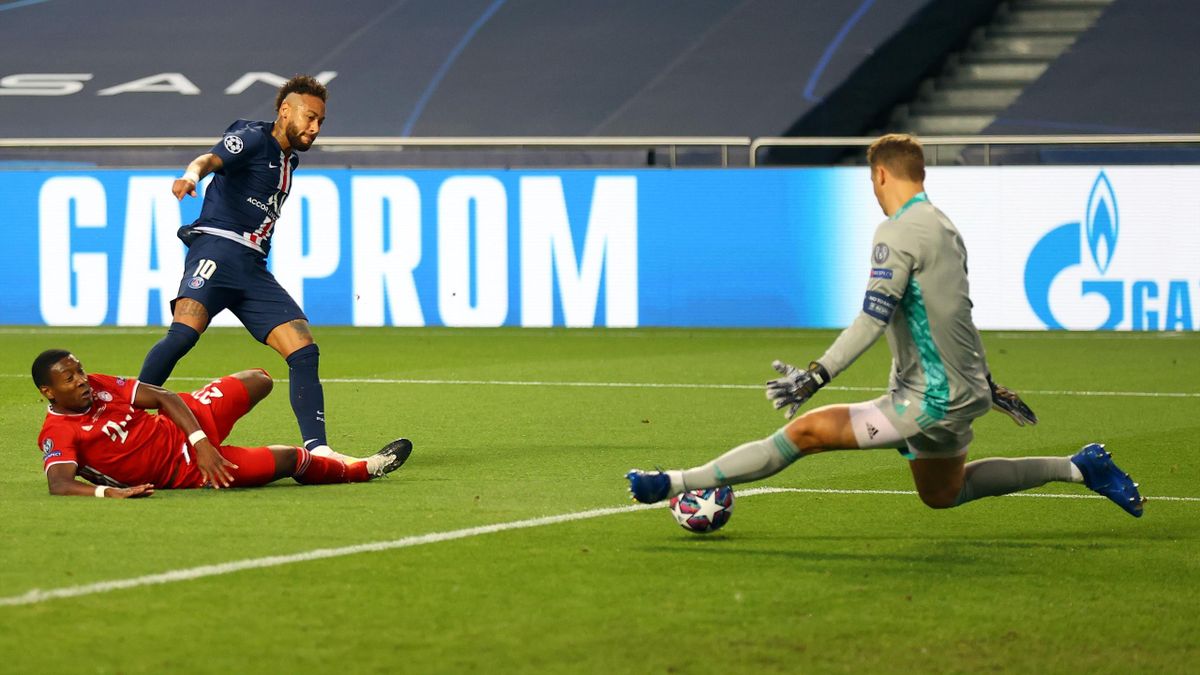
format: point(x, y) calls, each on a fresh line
point(880, 253)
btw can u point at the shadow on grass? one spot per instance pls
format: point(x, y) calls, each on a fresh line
point(940, 550)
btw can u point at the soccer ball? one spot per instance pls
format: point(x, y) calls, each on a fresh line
point(703, 511)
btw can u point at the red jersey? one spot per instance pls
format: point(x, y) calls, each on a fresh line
point(119, 439)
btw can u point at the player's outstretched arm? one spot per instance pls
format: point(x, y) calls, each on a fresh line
point(212, 465)
point(197, 170)
point(1008, 402)
point(61, 480)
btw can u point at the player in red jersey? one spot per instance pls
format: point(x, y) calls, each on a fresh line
point(97, 427)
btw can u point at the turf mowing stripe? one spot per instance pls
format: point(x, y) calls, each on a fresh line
point(37, 595)
point(669, 385)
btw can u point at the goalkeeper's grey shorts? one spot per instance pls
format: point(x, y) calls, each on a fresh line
point(898, 420)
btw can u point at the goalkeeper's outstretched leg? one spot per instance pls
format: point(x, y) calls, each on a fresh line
point(937, 459)
point(826, 428)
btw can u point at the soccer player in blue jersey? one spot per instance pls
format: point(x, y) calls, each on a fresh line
point(226, 266)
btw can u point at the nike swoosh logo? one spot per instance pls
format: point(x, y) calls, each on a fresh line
point(272, 166)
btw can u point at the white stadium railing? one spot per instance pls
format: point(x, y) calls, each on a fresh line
point(751, 147)
point(336, 143)
point(985, 143)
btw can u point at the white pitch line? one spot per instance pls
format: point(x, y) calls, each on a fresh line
point(1040, 495)
point(669, 385)
point(37, 595)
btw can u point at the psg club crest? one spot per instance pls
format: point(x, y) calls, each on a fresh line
point(195, 282)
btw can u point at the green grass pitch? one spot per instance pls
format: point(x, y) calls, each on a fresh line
point(797, 582)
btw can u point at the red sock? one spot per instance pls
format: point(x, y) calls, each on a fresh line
point(312, 470)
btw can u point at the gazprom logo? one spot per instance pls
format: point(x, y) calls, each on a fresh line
point(1061, 249)
point(1102, 222)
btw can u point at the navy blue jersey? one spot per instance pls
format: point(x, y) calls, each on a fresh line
point(246, 194)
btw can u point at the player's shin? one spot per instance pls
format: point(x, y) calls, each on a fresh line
point(307, 395)
point(747, 462)
point(163, 356)
point(997, 476)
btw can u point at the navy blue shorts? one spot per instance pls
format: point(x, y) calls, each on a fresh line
point(223, 274)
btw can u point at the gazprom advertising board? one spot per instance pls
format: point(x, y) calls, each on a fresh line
point(1079, 248)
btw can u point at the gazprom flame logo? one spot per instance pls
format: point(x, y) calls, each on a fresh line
point(1060, 249)
point(1102, 223)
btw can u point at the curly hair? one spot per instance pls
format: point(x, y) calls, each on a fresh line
point(43, 363)
point(300, 84)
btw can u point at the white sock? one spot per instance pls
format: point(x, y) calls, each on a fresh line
point(676, 481)
point(326, 451)
point(1076, 474)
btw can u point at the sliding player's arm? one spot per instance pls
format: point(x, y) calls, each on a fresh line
point(212, 465)
point(891, 266)
point(195, 172)
point(61, 479)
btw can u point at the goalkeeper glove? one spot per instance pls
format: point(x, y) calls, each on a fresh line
point(795, 386)
point(1006, 401)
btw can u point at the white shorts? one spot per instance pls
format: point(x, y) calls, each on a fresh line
point(890, 422)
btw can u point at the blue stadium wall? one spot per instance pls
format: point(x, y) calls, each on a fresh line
point(1074, 247)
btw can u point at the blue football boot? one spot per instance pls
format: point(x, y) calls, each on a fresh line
point(649, 487)
point(1106, 478)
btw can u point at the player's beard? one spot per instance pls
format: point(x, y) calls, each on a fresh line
point(296, 139)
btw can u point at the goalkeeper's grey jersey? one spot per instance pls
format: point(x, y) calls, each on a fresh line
point(918, 294)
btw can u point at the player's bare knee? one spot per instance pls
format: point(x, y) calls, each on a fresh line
point(814, 431)
point(939, 499)
point(190, 313)
point(258, 383)
point(804, 433)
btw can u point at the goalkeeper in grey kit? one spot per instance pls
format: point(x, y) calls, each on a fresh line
point(918, 297)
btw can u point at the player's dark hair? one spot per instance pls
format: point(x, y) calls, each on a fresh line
point(300, 84)
point(902, 154)
point(44, 362)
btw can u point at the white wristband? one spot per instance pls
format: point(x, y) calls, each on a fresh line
point(100, 490)
point(197, 436)
point(192, 176)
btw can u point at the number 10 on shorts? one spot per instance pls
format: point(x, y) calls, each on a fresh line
point(205, 269)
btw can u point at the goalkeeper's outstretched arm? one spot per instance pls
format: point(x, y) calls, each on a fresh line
point(1008, 402)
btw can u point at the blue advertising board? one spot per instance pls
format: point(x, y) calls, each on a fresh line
point(455, 248)
point(1079, 248)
